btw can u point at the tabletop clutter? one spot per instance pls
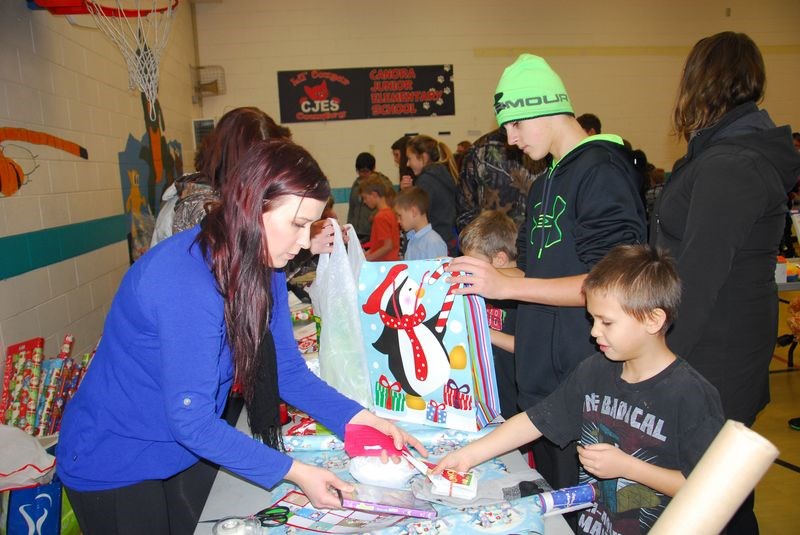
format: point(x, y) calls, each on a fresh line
point(396, 338)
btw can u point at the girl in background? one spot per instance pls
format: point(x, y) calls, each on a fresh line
point(436, 172)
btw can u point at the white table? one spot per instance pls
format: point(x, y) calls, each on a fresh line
point(233, 496)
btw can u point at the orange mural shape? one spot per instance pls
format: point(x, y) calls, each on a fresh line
point(11, 175)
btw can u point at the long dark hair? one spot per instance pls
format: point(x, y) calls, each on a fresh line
point(437, 152)
point(234, 239)
point(230, 139)
point(721, 72)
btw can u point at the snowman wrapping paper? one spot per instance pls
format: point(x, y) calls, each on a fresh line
point(427, 349)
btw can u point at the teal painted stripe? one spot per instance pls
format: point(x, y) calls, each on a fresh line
point(25, 252)
point(340, 195)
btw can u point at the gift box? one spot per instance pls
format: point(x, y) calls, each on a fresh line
point(302, 313)
point(462, 485)
point(456, 396)
point(389, 396)
point(436, 412)
point(306, 337)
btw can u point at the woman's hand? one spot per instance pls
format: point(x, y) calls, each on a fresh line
point(406, 181)
point(318, 484)
point(400, 437)
point(322, 236)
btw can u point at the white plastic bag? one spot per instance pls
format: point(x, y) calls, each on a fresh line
point(23, 461)
point(334, 295)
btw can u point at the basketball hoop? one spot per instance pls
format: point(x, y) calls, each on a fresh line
point(141, 35)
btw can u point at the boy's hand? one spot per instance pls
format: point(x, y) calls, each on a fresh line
point(478, 277)
point(604, 461)
point(457, 460)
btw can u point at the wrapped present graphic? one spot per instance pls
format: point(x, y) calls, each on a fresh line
point(436, 412)
point(389, 396)
point(456, 396)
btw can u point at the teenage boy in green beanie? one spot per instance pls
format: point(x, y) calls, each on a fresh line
point(586, 204)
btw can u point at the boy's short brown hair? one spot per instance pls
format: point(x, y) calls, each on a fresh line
point(490, 233)
point(642, 279)
point(375, 183)
point(413, 197)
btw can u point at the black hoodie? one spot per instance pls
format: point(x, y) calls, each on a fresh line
point(721, 215)
point(584, 206)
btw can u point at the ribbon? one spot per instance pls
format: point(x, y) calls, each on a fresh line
point(464, 389)
point(434, 408)
point(384, 381)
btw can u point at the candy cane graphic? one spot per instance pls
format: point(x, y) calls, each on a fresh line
point(441, 322)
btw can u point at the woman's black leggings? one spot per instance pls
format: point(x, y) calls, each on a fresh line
point(157, 507)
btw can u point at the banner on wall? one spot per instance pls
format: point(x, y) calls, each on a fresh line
point(366, 93)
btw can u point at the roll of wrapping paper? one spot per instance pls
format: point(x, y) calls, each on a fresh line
point(728, 471)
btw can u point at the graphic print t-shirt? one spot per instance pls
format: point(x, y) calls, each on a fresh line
point(668, 420)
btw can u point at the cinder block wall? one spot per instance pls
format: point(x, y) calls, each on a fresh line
point(620, 60)
point(68, 80)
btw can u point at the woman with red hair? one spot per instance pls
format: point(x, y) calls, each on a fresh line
point(205, 308)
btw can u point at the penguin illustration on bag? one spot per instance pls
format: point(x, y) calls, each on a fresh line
point(414, 347)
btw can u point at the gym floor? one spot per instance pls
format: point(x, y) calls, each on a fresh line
point(778, 493)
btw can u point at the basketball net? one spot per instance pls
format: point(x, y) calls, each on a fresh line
point(140, 34)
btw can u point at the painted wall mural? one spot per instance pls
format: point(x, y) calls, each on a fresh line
point(147, 166)
point(17, 162)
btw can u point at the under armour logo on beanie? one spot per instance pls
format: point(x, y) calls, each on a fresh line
point(530, 88)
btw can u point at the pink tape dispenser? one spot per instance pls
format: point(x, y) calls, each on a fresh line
point(366, 441)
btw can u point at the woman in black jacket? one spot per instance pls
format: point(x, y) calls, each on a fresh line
point(721, 216)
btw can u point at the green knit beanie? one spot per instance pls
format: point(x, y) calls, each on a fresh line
point(529, 88)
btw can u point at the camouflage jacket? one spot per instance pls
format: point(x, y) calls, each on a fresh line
point(495, 176)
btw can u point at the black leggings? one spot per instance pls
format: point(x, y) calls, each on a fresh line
point(169, 507)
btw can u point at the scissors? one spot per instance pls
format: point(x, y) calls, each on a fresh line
point(274, 515)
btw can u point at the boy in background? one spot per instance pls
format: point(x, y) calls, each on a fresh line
point(643, 416)
point(384, 238)
point(492, 237)
point(411, 206)
point(358, 214)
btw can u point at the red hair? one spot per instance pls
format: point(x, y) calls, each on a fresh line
point(234, 239)
point(230, 139)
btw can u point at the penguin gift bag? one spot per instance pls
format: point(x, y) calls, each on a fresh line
point(428, 351)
